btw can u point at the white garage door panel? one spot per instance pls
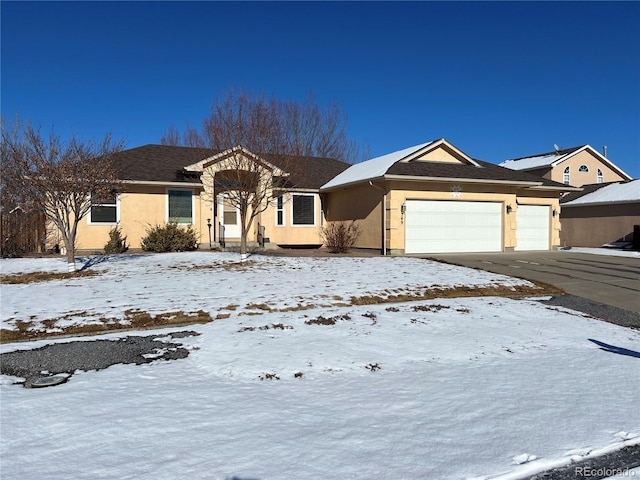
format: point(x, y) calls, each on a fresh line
point(532, 227)
point(449, 226)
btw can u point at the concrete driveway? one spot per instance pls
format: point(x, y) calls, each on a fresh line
point(606, 279)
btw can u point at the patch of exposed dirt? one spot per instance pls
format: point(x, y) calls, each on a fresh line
point(33, 277)
point(429, 293)
point(134, 319)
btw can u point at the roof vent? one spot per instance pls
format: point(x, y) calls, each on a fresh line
point(604, 151)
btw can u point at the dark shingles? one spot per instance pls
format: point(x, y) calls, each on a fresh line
point(308, 172)
point(486, 171)
point(159, 163)
point(165, 163)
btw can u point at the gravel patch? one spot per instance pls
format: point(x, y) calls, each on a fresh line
point(66, 358)
point(608, 313)
point(605, 466)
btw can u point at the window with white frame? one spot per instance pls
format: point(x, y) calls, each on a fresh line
point(280, 211)
point(303, 210)
point(180, 206)
point(600, 177)
point(583, 168)
point(104, 209)
point(566, 176)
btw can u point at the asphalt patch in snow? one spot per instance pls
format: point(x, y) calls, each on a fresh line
point(66, 358)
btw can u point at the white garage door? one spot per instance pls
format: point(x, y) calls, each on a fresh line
point(450, 226)
point(532, 227)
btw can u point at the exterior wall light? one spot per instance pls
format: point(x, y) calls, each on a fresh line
point(509, 209)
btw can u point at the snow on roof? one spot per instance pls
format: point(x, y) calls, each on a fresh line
point(531, 162)
point(614, 193)
point(374, 168)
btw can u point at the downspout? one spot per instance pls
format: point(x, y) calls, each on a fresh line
point(384, 217)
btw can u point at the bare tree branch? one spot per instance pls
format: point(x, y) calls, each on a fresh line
point(43, 173)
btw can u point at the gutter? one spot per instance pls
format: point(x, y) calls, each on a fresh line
point(166, 184)
point(598, 204)
point(384, 217)
point(440, 179)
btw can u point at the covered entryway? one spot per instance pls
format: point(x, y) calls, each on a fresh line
point(444, 226)
point(532, 227)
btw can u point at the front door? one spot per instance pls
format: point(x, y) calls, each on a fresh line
point(230, 218)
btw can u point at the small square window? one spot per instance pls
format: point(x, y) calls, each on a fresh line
point(104, 209)
point(303, 210)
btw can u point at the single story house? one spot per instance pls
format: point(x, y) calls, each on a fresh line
point(429, 198)
point(575, 166)
point(162, 184)
point(602, 215)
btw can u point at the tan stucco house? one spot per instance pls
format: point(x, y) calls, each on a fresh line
point(575, 166)
point(162, 184)
point(434, 198)
point(602, 215)
point(429, 198)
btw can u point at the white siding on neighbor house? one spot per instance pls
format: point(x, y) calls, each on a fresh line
point(452, 226)
point(532, 227)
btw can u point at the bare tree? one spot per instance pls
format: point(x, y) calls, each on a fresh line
point(59, 178)
point(260, 139)
point(306, 128)
point(318, 132)
point(242, 127)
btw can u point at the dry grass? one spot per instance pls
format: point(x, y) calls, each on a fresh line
point(137, 319)
point(33, 277)
point(538, 289)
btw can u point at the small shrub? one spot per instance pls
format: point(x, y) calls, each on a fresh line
point(117, 243)
point(170, 238)
point(340, 237)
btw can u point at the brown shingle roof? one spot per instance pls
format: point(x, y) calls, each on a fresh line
point(158, 163)
point(165, 163)
point(486, 171)
point(308, 172)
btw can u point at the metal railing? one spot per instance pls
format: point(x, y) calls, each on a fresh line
point(261, 231)
point(221, 239)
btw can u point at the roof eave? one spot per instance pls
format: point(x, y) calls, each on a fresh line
point(350, 184)
point(559, 189)
point(160, 183)
point(596, 204)
point(465, 180)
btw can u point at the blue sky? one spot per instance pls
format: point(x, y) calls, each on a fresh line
point(499, 80)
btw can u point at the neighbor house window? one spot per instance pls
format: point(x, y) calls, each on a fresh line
point(303, 210)
point(600, 176)
point(583, 168)
point(104, 209)
point(180, 206)
point(566, 176)
point(280, 211)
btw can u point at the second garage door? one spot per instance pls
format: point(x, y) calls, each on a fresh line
point(532, 227)
point(450, 226)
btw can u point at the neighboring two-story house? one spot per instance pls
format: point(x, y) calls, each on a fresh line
point(575, 166)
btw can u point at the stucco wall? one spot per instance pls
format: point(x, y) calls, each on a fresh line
point(593, 226)
point(139, 207)
point(578, 178)
point(289, 234)
point(363, 203)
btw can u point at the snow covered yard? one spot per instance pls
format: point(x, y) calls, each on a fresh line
point(301, 381)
